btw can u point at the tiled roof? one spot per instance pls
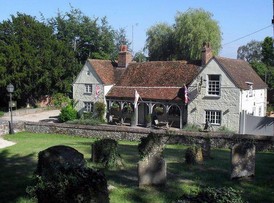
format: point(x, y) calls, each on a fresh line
point(241, 72)
point(159, 80)
point(107, 70)
point(159, 73)
point(146, 93)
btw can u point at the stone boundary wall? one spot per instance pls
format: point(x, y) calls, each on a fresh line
point(216, 140)
point(17, 127)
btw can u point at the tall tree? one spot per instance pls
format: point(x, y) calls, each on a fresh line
point(268, 51)
point(268, 60)
point(251, 52)
point(33, 59)
point(184, 40)
point(192, 29)
point(159, 42)
point(88, 37)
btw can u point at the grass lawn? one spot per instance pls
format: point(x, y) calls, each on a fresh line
point(19, 161)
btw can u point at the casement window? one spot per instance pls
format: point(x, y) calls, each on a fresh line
point(88, 88)
point(213, 88)
point(213, 116)
point(88, 106)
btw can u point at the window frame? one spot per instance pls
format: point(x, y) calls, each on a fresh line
point(88, 88)
point(217, 117)
point(88, 106)
point(212, 88)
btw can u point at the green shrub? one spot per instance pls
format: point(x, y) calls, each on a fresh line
point(214, 195)
point(71, 185)
point(191, 127)
point(90, 121)
point(1, 113)
point(59, 100)
point(100, 109)
point(105, 151)
point(68, 113)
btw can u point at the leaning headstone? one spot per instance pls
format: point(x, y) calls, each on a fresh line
point(243, 160)
point(62, 176)
point(152, 166)
point(152, 171)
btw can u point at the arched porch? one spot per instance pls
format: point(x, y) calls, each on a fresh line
point(175, 113)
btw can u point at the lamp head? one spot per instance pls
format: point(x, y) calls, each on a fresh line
point(10, 88)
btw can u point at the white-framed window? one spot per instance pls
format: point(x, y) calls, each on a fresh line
point(88, 88)
point(88, 72)
point(213, 88)
point(213, 116)
point(88, 106)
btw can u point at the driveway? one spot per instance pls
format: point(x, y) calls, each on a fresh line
point(44, 116)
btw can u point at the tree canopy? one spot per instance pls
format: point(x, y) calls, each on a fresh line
point(43, 58)
point(185, 38)
point(261, 57)
point(251, 52)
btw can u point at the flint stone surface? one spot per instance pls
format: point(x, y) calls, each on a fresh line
point(58, 158)
point(152, 171)
point(243, 160)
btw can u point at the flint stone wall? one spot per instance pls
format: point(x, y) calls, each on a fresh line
point(216, 140)
point(17, 127)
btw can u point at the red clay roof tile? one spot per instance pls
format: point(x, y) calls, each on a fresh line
point(241, 72)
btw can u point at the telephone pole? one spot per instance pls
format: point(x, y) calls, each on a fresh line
point(273, 23)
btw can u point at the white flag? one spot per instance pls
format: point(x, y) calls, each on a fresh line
point(136, 99)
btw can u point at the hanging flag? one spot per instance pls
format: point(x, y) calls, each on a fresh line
point(97, 91)
point(136, 99)
point(186, 94)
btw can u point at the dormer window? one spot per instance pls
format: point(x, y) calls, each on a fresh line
point(88, 72)
point(213, 88)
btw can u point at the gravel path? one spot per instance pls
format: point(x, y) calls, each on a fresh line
point(46, 116)
point(50, 115)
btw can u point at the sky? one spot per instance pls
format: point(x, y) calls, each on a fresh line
point(240, 21)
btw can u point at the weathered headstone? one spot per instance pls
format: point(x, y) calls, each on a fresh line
point(152, 171)
point(62, 176)
point(243, 160)
point(194, 155)
point(57, 158)
point(206, 149)
point(152, 166)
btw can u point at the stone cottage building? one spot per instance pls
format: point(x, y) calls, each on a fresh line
point(214, 90)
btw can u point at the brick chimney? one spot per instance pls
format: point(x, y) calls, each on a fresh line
point(206, 53)
point(124, 57)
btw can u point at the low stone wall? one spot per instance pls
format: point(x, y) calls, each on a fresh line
point(216, 140)
point(17, 127)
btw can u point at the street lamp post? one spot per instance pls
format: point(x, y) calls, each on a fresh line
point(10, 89)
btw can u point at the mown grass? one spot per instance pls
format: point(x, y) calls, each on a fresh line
point(19, 161)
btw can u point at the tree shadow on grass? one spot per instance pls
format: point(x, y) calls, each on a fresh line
point(15, 175)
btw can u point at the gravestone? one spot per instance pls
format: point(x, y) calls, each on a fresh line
point(206, 149)
point(57, 158)
point(62, 176)
point(243, 160)
point(152, 171)
point(194, 155)
point(152, 166)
